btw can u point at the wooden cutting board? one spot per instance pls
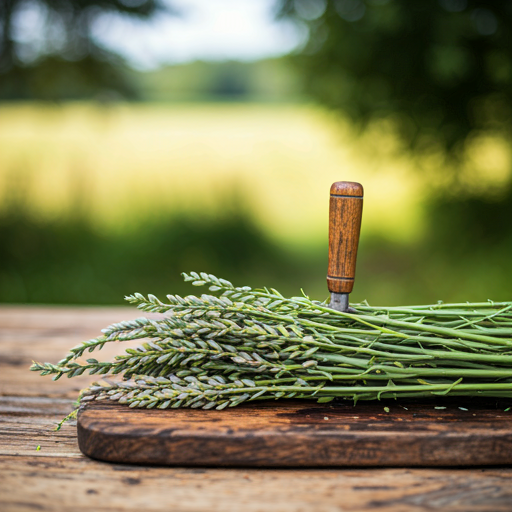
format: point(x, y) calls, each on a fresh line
point(302, 434)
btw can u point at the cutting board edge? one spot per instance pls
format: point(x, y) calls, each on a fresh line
point(339, 448)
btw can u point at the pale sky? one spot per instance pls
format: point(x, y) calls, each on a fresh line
point(206, 29)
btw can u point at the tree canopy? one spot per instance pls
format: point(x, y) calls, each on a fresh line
point(441, 68)
point(68, 62)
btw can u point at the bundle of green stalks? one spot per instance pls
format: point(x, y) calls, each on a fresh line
point(243, 345)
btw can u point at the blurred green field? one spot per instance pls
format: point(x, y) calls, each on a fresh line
point(98, 201)
point(127, 162)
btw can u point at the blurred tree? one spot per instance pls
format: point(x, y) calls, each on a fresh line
point(442, 68)
point(63, 61)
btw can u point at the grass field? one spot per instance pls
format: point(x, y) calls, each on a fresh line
point(123, 162)
point(122, 170)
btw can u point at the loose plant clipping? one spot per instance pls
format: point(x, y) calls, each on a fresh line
point(242, 344)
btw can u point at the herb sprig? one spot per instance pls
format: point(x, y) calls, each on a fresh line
point(217, 351)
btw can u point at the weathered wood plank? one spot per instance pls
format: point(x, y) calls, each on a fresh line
point(59, 477)
point(29, 422)
point(46, 334)
point(80, 484)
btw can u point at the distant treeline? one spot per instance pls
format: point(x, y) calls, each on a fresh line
point(264, 80)
point(269, 80)
point(68, 261)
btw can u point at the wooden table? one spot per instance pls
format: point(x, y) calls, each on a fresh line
point(59, 477)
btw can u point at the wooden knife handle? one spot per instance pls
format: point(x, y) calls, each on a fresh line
point(345, 212)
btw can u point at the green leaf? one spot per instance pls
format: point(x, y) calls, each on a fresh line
point(325, 399)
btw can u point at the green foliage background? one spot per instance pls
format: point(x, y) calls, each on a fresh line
point(438, 72)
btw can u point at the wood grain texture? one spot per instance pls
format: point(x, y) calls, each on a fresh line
point(345, 213)
point(56, 484)
point(301, 434)
point(47, 333)
point(58, 477)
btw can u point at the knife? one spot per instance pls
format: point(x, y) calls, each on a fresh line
point(345, 212)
